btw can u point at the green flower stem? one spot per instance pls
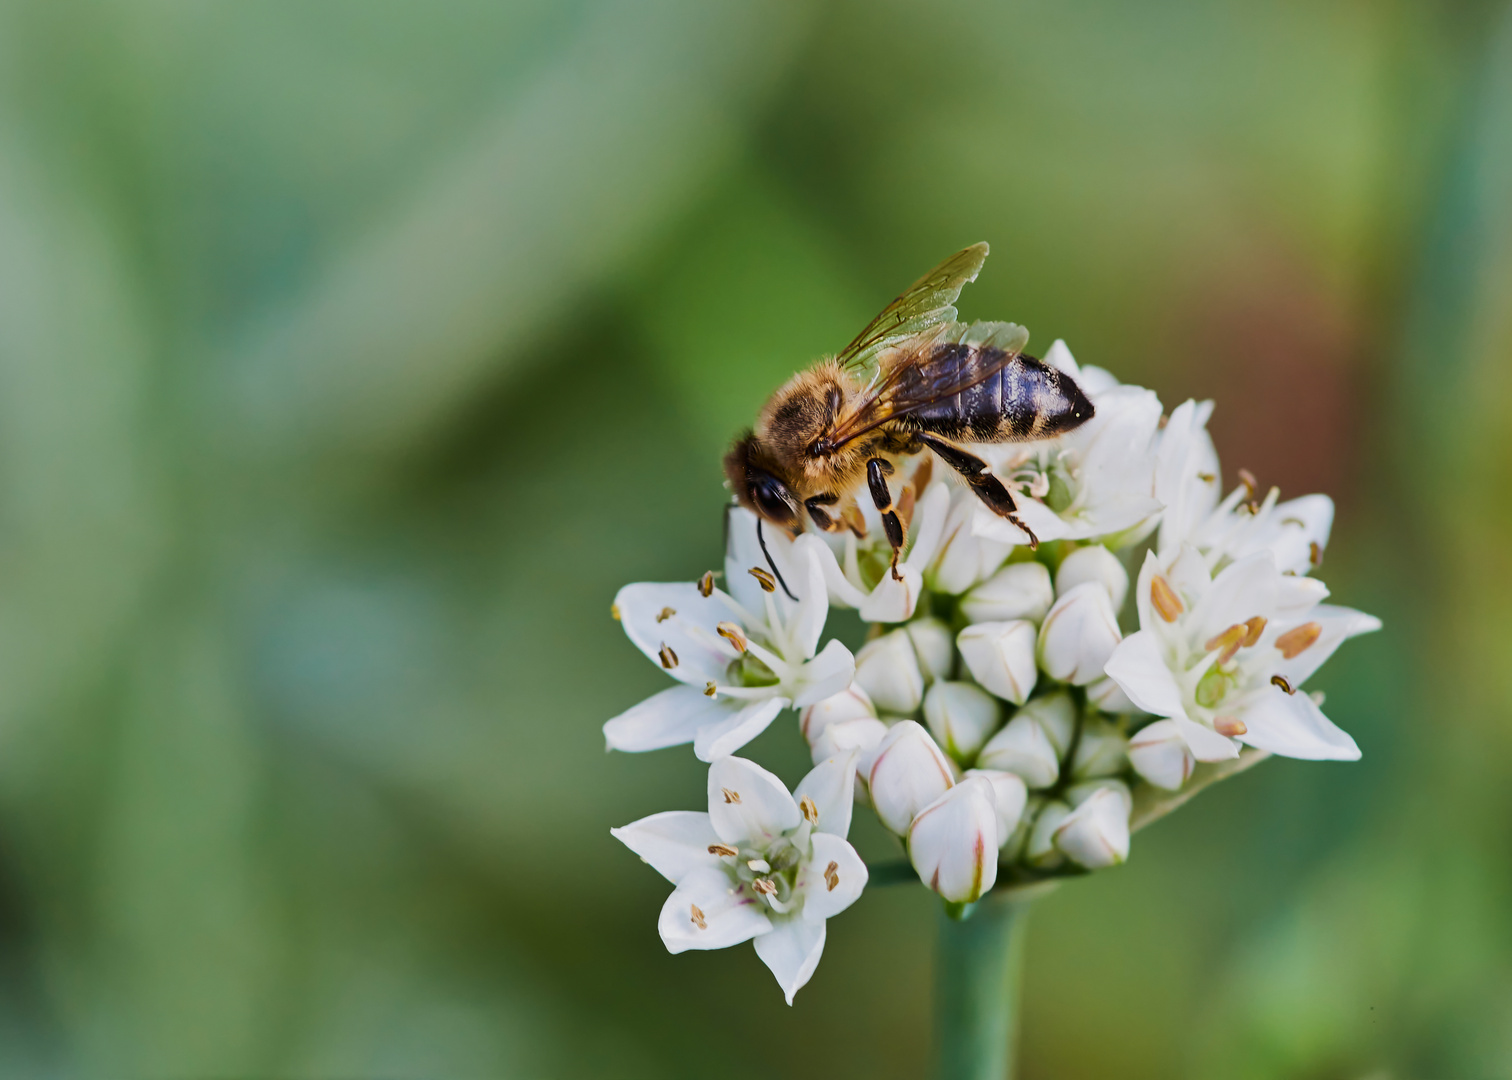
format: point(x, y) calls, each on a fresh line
point(977, 977)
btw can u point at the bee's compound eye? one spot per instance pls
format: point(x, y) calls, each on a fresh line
point(772, 499)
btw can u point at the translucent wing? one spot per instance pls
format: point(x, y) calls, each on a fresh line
point(944, 361)
point(927, 303)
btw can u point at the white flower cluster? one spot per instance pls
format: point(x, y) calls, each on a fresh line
point(1008, 702)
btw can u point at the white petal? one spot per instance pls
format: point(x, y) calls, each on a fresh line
point(1292, 726)
point(1022, 748)
point(1138, 667)
point(1206, 744)
point(678, 617)
point(1079, 635)
point(953, 842)
point(1017, 591)
point(1186, 475)
point(929, 524)
point(1009, 795)
point(747, 803)
point(965, 559)
point(961, 716)
point(1047, 525)
point(852, 703)
point(1093, 563)
point(1160, 754)
point(674, 843)
point(792, 950)
point(1336, 626)
point(888, 670)
point(840, 589)
point(934, 647)
point(824, 676)
point(1107, 696)
point(1096, 833)
point(806, 622)
point(1000, 656)
point(893, 601)
point(832, 785)
point(862, 734)
point(744, 552)
point(670, 718)
point(1241, 590)
point(908, 773)
point(827, 891)
point(704, 912)
point(714, 741)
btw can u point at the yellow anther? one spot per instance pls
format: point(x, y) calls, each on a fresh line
point(1231, 726)
point(706, 584)
point(723, 849)
point(698, 917)
point(614, 612)
point(1165, 599)
point(764, 886)
point(768, 582)
point(1280, 680)
point(710, 689)
point(732, 633)
point(730, 796)
point(667, 656)
point(664, 614)
point(1256, 625)
point(810, 810)
point(1314, 553)
point(1298, 640)
point(1206, 477)
point(1251, 485)
point(831, 877)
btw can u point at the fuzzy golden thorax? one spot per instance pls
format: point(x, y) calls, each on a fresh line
point(794, 417)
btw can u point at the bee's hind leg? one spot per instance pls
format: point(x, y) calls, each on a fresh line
point(877, 471)
point(978, 476)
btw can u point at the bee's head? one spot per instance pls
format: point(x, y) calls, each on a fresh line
point(757, 486)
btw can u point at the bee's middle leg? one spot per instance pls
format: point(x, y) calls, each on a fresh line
point(877, 471)
point(979, 478)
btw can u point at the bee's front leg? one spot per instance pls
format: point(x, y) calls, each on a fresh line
point(877, 471)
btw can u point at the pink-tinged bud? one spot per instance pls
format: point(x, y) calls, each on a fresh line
point(888, 670)
point(1160, 755)
point(961, 716)
point(1017, 591)
point(907, 774)
point(953, 842)
point(849, 704)
point(1079, 635)
point(1022, 748)
point(1094, 563)
point(1009, 796)
point(964, 559)
point(933, 647)
point(1101, 750)
point(1000, 656)
point(1096, 832)
point(864, 733)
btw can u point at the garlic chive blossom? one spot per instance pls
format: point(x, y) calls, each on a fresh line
point(760, 864)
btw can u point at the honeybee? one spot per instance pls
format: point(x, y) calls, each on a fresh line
point(914, 380)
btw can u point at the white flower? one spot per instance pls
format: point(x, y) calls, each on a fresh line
point(841, 722)
point(1018, 591)
point(953, 842)
point(760, 864)
point(1034, 741)
point(1010, 796)
point(1223, 657)
point(1093, 563)
point(741, 658)
point(1000, 656)
point(1160, 755)
point(887, 668)
point(908, 772)
point(1097, 480)
point(961, 716)
point(1096, 832)
point(963, 558)
point(1186, 474)
point(858, 573)
point(1079, 635)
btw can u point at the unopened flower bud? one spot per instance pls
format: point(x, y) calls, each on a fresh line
point(1093, 563)
point(961, 716)
point(933, 646)
point(888, 670)
point(1000, 656)
point(1040, 850)
point(1096, 833)
point(849, 704)
point(1101, 750)
point(1160, 755)
point(1009, 796)
point(1107, 696)
point(1023, 749)
point(1078, 635)
point(1018, 591)
point(953, 842)
point(964, 559)
point(1012, 849)
point(863, 733)
point(1056, 713)
point(907, 774)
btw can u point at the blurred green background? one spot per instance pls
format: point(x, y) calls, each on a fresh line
point(353, 354)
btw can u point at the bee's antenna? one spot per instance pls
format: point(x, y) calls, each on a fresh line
point(761, 539)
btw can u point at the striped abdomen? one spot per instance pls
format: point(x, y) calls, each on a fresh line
point(1025, 399)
